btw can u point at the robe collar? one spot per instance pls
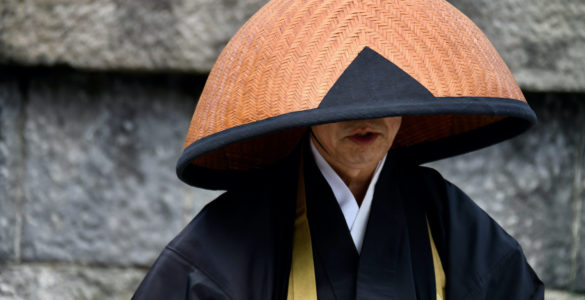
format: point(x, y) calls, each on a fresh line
point(356, 216)
point(396, 260)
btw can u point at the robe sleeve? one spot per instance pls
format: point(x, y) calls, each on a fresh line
point(488, 261)
point(480, 259)
point(173, 278)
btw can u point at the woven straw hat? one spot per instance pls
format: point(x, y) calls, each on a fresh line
point(300, 63)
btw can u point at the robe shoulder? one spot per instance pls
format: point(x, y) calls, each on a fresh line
point(230, 250)
point(481, 260)
point(174, 277)
point(239, 245)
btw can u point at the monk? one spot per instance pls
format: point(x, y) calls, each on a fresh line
point(316, 119)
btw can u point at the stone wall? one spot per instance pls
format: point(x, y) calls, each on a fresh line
point(89, 196)
point(541, 40)
point(88, 189)
point(96, 97)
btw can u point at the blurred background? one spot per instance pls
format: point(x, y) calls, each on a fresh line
point(96, 97)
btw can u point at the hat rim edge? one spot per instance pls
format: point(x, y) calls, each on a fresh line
point(516, 111)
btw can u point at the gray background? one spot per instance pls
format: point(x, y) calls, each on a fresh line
point(95, 101)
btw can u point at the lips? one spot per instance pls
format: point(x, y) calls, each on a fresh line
point(363, 138)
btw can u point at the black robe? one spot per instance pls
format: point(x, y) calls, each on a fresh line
point(239, 246)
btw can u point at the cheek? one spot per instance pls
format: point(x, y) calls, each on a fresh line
point(326, 134)
point(393, 125)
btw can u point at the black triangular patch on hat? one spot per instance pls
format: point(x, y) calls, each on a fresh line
point(372, 79)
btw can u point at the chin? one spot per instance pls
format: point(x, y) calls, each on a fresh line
point(364, 160)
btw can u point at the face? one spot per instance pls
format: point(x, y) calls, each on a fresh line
point(356, 144)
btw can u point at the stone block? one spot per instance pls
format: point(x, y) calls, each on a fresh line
point(579, 263)
point(562, 295)
point(110, 34)
point(101, 152)
point(65, 282)
point(543, 42)
point(10, 168)
point(527, 185)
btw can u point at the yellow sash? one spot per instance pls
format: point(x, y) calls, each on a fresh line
point(440, 280)
point(301, 283)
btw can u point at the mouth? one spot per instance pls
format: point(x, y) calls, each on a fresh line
point(363, 138)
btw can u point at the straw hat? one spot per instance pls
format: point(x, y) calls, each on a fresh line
point(300, 63)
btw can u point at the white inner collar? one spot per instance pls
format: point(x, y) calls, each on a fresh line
point(356, 216)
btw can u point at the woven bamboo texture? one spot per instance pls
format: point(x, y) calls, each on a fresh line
point(289, 54)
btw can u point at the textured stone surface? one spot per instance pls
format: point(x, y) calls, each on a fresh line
point(527, 185)
point(562, 295)
point(580, 209)
point(542, 41)
point(112, 34)
point(65, 282)
point(10, 171)
point(101, 153)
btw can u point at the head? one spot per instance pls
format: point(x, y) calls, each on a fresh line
point(356, 145)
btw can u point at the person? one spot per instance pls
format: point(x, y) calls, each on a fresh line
point(315, 119)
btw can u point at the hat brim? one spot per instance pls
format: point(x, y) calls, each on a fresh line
point(506, 117)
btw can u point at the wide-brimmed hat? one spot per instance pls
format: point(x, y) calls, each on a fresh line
point(300, 63)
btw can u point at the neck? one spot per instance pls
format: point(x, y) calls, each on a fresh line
point(357, 180)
